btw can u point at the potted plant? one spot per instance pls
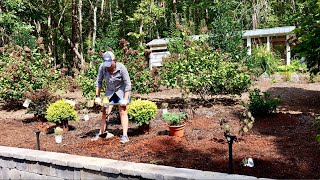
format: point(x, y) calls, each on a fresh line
point(60, 113)
point(176, 122)
point(141, 112)
point(58, 131)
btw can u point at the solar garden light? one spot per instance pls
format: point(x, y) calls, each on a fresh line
point(230, 140)
point(37, 132)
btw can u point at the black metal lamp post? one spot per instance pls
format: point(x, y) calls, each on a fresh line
point(37, 132)
point(230, 140)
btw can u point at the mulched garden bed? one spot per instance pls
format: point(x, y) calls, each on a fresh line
point(282, 145)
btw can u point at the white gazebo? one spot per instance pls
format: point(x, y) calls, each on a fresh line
point(277, 35)
point(280, 35)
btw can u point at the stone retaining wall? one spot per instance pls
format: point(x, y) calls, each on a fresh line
point(19, 163)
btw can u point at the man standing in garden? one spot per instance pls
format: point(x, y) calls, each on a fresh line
point(117, 91)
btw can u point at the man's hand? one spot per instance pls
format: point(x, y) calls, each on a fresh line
point(123, 102)
point(97, 100)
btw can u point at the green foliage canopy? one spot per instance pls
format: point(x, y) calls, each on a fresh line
point(61, 111)
point(309, 35)
point(204, 72)
point(142, 111)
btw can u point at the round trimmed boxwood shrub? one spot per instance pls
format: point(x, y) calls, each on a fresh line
point(61, 111)
point(142, 111)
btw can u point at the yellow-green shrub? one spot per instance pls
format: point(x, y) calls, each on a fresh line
point(142, 111)
point(61, 111)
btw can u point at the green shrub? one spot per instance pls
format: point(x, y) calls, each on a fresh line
point(86, 80)
point(261, 104)
point(61, 111)
point(174, 119)
point(262, 60)
point(24, 71)
point(40, 99)
point(203, 72)
point(295, 66)
point(142, 111)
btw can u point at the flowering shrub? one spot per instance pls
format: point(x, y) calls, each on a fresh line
point(142, 111)
point(141, 77)
point(25, 70)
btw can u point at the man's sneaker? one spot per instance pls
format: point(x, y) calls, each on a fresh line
point(124, 139)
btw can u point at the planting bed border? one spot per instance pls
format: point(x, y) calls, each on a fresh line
point(20, 163)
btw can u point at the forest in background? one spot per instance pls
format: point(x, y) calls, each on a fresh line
point(71, 30)
point(59, 43)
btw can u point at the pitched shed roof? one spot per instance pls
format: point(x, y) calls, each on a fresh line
point(157, 42)
point(277, 31)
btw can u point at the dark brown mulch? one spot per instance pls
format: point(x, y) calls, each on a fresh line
point(282, 145)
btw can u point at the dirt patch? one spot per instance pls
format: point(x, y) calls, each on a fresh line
point(282, 145)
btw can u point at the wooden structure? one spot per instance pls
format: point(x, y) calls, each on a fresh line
point(159, 50)
point(271, 36)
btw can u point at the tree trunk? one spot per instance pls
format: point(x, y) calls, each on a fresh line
point(74, 38)
point(140, 31)
point(38, 27)
point(80, 33)
point(94, 27)
point(207, 17)
point(54, 42)
point(254, 14)
point(64, 125)
point(174, 2)
point(55, 48)
point(293, 6)
point(102, 8)
point(50, 32)
point(110, 11)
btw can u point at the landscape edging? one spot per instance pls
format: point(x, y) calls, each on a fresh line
point(20, 163)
